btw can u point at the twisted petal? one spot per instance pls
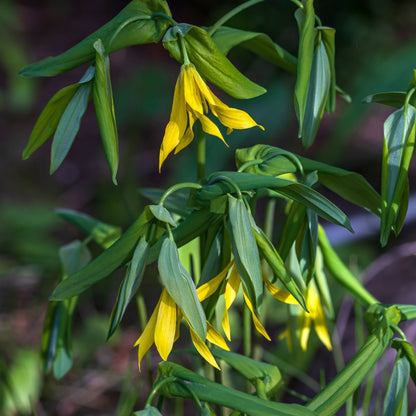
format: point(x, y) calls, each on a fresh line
point(279, 294)
point(177, 123)
point(202, 349)
point(207, 289)
point(209, 127)
point(192, 93)
point(305, 322)
point(215, 337)
point(146, 339)
point(256, 321)
point(231, 290)
point(188, 136)
point(318, 318)
point(165, 325)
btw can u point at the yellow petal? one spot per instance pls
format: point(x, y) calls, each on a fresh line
point(191, 90)
point(209, 127)
point(256, 321)
point(165, 325)
point(232, 117)
point(188, 136)
point(203, 349)
point(318, 317)
point(279, 294)
point(215, 337)
point(207, 289)
point(177, 123)
point(304, 329)
point(146, 339)
point(230, 293)
point(205, 92)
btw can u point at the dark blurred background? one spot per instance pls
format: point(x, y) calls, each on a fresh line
point(376, 51)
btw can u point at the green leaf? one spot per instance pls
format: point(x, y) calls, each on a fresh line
point(328, 39)
point(273, 161)
point(105, 263)
point(227, 38)
point(305, 18)
point(394, 99)
point(162, 214)
point(68, 125)
point(307, 242)
point(130, 284)
point(181, 287)
point(406, 349)
point(213, 65)
point(317, 95)
point(219, 394)
point(276, 187)
point(408, 312)
point(245, 250)
point(102, 233)
point(399, 135)
point(104, 108)
point(56, 346)
point(270, 254)
point(176, 202)
point(334, 395)
point(395, 401)
point(132, 26)
point(322, 283)
point(252, 370)
point(48, 120)
point(148, 411)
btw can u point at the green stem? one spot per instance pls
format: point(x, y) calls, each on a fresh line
point(341, 273)
point(201, 153)
point(230, 181)
point(177, 187)
point(298, 3)
point(157, 387)
point(185, 56)
point(164, 16)
point(122, 26)
point(399, 331)
point(250, 163)
point(231, 14)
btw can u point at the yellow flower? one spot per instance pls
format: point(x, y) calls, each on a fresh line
point(162, 329)
point(191, 101)
point(304, 321)
point(230, 291)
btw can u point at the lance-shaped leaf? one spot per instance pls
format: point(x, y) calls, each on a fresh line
point(395, 401)
point(252, 370)
point(394, 99)
point(52, 115)
point(399, 137)
point(181, 287)
point(104, 108)
point(227, 38)
point(162, 214)
point(102, 233)
point(245, 250)
point(273, 161)
point(56, 346)
point(213, 65)
point(134, 25)
point(317, 95)
point(307, 244)
point(68, 125)
point(106, 262)
point(305, 18)
point(276, 187)
point(270, 254)
point(405, 348)
point(129, 285)
point(334, 395)
point(216, 393)
point(328, 39)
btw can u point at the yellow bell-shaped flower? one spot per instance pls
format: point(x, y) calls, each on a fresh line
point(191, 101)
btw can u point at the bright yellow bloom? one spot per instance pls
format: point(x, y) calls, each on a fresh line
point(230, 291)
point(305, 320)
point(162, 329)
point(191, 101)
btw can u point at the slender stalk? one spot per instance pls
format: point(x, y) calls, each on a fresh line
point(231, 14)
point(157, 387)
point(247, 338)
point(177, 187)
point(164, 16)
point(201, 153)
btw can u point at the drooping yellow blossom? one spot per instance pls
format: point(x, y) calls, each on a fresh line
point(191, 101)
point(305, 320)
point(162, 329)
point(230, 291)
